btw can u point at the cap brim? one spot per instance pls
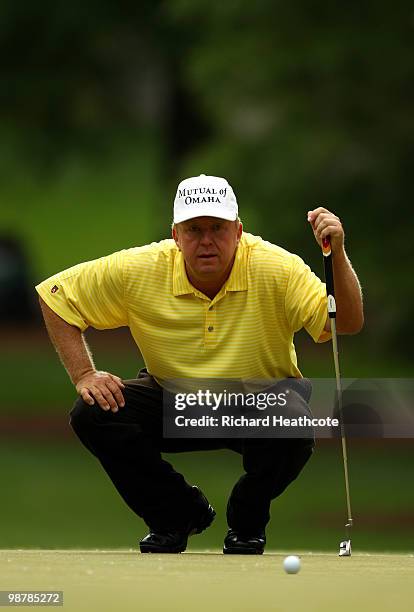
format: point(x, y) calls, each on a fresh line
point(227, 215)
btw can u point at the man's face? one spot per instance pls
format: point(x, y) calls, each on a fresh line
point(208, 245)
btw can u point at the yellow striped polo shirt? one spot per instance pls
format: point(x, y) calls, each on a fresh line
point(245, 332)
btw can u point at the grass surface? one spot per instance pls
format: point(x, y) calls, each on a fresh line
point(125, 580)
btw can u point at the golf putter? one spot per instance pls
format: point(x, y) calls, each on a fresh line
point(345, 546)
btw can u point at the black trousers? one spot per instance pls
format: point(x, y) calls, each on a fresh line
point(129, 444)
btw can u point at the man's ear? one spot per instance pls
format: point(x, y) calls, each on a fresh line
point(239, 231)
point(174, 233)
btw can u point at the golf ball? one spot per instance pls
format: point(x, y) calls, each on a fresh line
point(291, 564)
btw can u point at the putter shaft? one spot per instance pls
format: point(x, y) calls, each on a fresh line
point(329, 279)
point(341, 423)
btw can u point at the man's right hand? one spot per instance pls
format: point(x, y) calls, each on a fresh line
point(102, 387)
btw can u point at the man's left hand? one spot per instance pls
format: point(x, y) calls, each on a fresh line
point(324, 223)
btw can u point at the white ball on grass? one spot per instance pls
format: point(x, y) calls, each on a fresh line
point(291, 564)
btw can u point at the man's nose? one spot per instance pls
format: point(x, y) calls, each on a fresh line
point(206, 236)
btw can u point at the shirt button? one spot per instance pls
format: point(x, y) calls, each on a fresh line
point(210, 328)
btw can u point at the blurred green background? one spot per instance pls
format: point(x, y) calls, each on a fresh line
point(104, 108)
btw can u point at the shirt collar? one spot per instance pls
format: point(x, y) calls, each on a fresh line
point(237, 280)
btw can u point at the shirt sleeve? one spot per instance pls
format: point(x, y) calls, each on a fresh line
point(88, 294)
point(306, 303)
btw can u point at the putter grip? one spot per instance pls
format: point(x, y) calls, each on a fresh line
point(327, 261)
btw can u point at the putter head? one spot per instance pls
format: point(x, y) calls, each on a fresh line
point(345, 548)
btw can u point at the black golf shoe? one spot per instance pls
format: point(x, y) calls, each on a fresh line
point(175, 540)
point(236, 543)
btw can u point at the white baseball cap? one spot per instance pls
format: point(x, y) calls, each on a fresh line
point(205, 196)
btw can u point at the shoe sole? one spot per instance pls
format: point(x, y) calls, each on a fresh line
point(162, 549)
point(242, 551)
point(205, 521)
